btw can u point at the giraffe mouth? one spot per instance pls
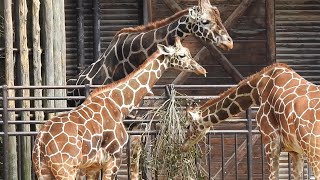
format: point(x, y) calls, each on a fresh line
point(201, 71)
point(226, 46)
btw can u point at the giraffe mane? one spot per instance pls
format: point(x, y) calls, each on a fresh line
point(112, 85)
point(153, 25)
point(253, 76)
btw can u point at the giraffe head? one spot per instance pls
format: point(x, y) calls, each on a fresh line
point(180, 58)
point(204, 21)
point(196, 130)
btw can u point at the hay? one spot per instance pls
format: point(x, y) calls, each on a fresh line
point(165, 157)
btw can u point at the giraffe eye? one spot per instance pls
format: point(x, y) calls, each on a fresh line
point(182, 56)
point(205, 21)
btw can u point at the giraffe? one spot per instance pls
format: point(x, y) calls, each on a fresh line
point(288, 116)
point(91, 137)
point(130, 47)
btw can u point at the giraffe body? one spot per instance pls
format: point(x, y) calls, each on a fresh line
point(91, 137)
point(288, 116)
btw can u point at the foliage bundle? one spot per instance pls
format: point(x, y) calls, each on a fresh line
point(165, 157)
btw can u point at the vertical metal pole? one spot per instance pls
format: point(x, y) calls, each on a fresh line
point(249, 143)
point(222, 154)
point(96, 29)
point(87, 90)
point(80, 37)
point(236, 154)
point(262, 159)
point(209, 155)
point(289, 166)
point(5, 131)
point(128, 157)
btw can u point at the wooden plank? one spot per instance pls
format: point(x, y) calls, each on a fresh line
point(271, 37)
point(48, 53)
point(25, 81)
point(57, 50)
point(63, 52)
point(39, 115)
point(147, 11)
point(96, 29)
point(11, 174)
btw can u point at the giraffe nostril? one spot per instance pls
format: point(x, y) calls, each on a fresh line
point(229, 39)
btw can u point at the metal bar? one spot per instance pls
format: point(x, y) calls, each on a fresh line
point(262, 159)
point(5, 133)
point(235, 154)
point(222, 155)
point(128, 157)
point(96, 30)
point(87, 90)
point(209, 155)
point(249, 144)
point(80, 37)
point(289, 166)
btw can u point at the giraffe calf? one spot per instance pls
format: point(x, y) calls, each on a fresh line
point(91, 137)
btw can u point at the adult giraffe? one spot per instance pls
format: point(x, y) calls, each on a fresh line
point(288, 116)
point(91, 137)
point(130, 47)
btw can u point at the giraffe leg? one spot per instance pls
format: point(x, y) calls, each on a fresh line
point(111, 167)
point(135, 156)
point(314, 162)
point(297, 163)
point(272, 150)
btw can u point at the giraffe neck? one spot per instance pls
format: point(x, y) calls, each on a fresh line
point(128, 50)
point(230, 103)
point(129, 91)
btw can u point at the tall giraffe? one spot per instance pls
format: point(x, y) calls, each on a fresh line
point(91, 137)
point(130, 47)
point(288, 116)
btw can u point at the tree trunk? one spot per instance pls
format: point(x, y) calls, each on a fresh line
point(39, 115)
point(57, 50)
point(9, 64)
point(25, 81)
point(63, 51)
point(48, 50)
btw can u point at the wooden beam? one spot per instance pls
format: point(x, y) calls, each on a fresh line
point(270, 20)
point(10, 168)
point(96, 29)
point(48, 53)
point(223, 61)
point(172, 5)
point(80, 31)
point(39, 115)
point(63, 51)
point(237, 13)
point(25, 81)
point(57, 50)
point(147, 11)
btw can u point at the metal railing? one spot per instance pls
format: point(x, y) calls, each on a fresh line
point(236, 151)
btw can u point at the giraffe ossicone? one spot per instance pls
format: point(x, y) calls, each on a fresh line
point(288, 116)
point(91, 137)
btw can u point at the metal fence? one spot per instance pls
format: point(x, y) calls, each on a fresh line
point(235, 148)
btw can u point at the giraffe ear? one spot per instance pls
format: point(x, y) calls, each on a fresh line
point(165, 50)
point(178, 42)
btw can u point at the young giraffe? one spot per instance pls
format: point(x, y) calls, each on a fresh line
point(91, 137)
point(288, 116)
point(132, 46)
